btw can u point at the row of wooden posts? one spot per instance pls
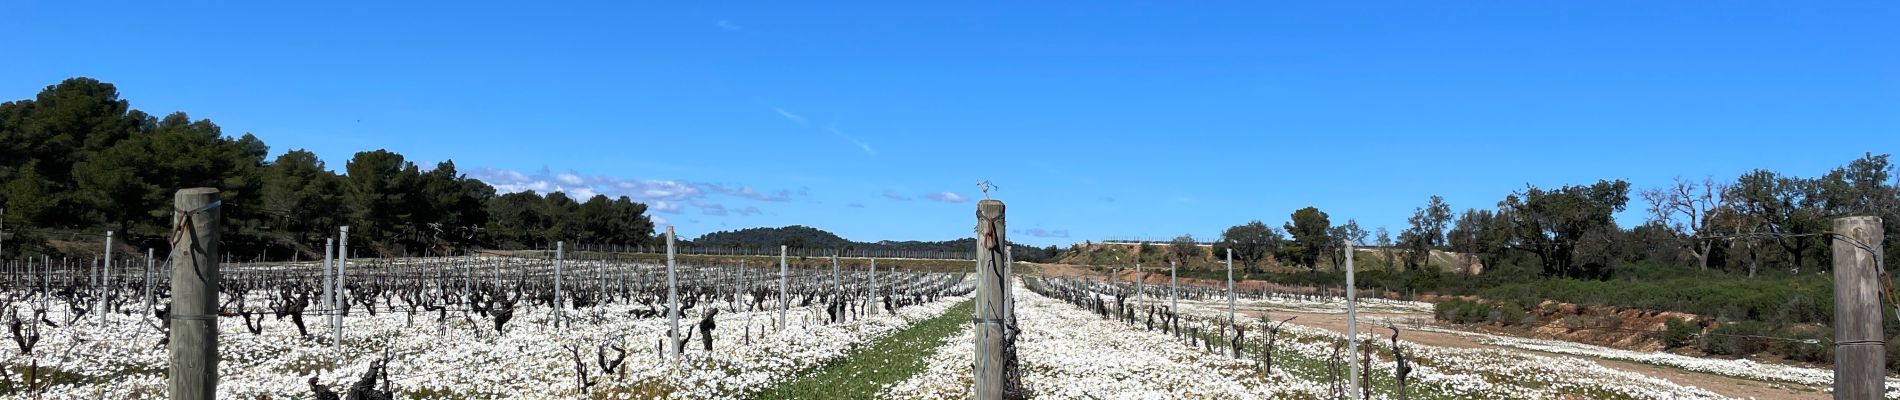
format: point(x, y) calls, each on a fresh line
point(1858, 273)
point(195, 283)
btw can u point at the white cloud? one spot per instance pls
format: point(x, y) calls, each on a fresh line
point(728, 25)
point(947, 197)
point(664, 206)
point(789, 115)
point(833, 128)
point(830, 128)
point(660, 195)
point(1044, 233)
point(748, 192)
point(895, 196)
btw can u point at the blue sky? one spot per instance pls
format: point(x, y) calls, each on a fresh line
point(875, 119)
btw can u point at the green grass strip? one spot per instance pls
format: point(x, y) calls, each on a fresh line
point(886, 361)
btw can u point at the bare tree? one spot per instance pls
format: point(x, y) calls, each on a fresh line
point(1385, 247)
point(1684, 207)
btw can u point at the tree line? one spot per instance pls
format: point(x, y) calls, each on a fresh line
point(1741, 226)
point(77, 159)
point(799, 236)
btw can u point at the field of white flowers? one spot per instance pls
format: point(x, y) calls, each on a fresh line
point(454, 360)
point(1066, 351)
point(1072, 352)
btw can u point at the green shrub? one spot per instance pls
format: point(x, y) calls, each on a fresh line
point(1800, 309)
point(1735, 339)
point(1461, 311)
point(1810, 344)
point(1446, 310)
point(1509, 314)
point(1893, 355)
point(1678, 333)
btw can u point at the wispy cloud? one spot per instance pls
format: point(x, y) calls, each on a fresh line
point(782, 195)
point(721, 210)
point(789, 115)
point(664, 206)
point(947, 197)
point(728, 25)
point(855, 205)
point(660, 195)
point(1106, 199)
point(833, 128)
point(1042, 233)
point(895, 196)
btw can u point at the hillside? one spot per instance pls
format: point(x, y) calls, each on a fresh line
point(1105, 254)
point(800, 236)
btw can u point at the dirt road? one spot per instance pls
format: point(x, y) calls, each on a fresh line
point(1727, 386)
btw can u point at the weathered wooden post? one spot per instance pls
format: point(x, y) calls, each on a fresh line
point(1139, 302)
point(342, 266)
point(1174, 284)
point(783, 302)
point(1230, 293)
point(560, 254)
point(837, 289)
point(145, 297)
point(1860, 346)
point(105, 279)
point(194, 315)
point(990, 331)
point(1352, 323)
point(874, 291)
point(329, 288)
point(673, 345)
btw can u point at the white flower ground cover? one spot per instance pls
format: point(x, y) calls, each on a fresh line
point(122, 359)
point(1440, 372)
point(1069, 353)
point(1819, 379)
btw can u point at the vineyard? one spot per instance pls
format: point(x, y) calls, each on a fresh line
point(534, 325)
point(638, 323)
point(484, 326)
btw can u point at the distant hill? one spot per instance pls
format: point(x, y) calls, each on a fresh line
point(794, 236)
point(808, 237)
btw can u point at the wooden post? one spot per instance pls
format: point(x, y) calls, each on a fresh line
point(342, 266)
point(560, 250)
point(874, 291)
point(837, 286)
point(783, 302)
point(145, 297)
point(105, 280)
point(1230, 292)
point(1860, 346)
point(329, 285)
point(990, 310)
point(1139, 303)
point(194, 316)
point(1174, 284)
point(672, 301)
point(1352, 325)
